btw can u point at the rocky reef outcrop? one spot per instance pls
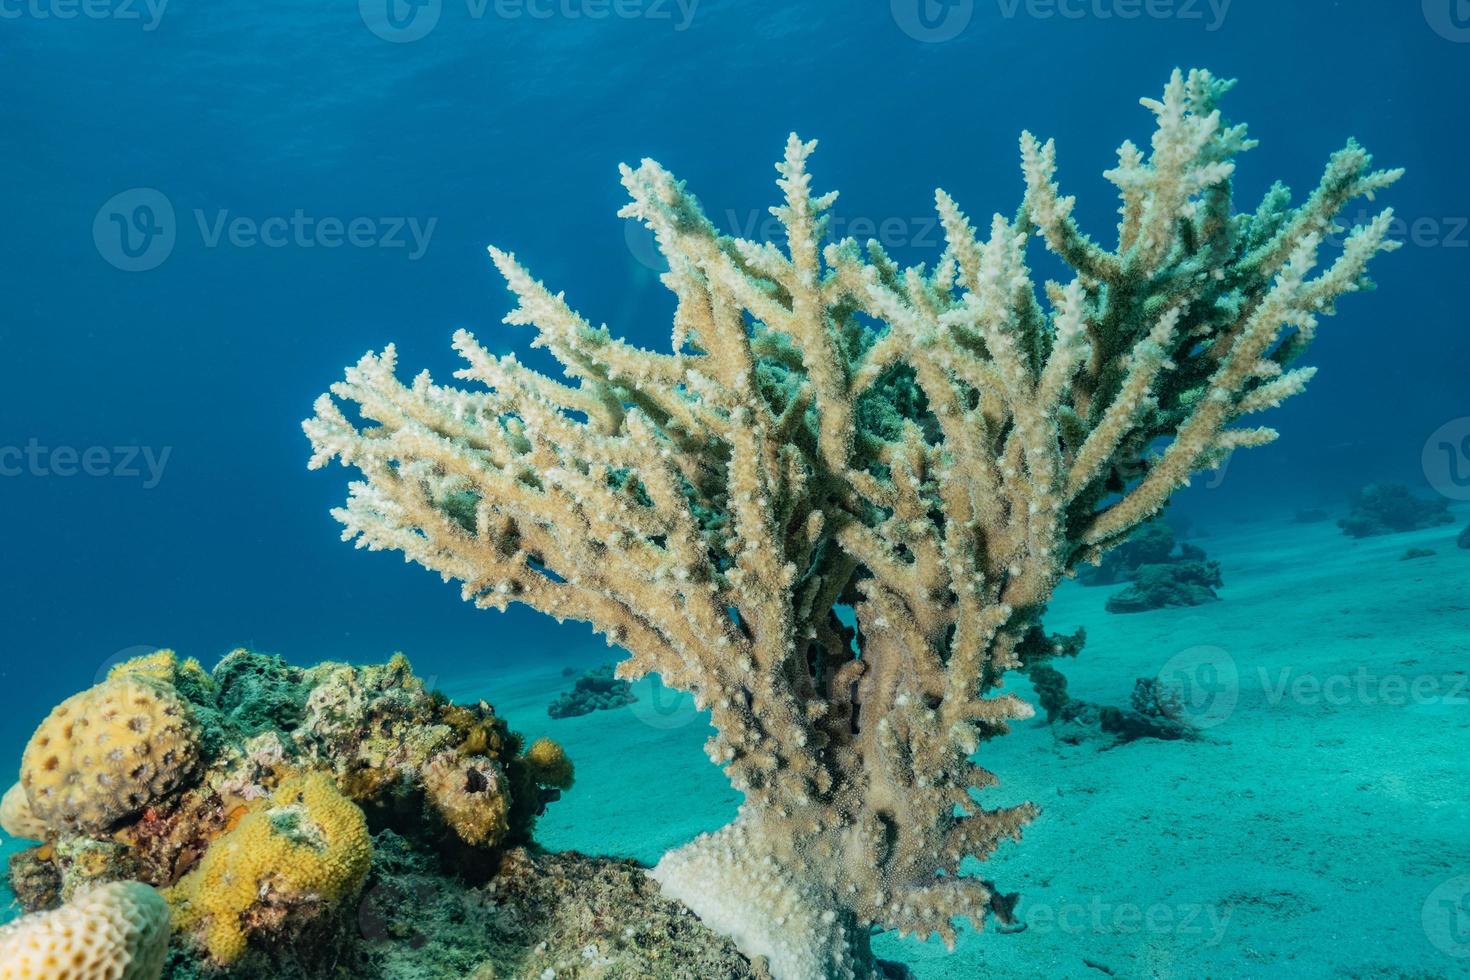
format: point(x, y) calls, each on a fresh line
point(323, 822)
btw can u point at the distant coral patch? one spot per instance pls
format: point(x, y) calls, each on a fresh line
point(1390, 508)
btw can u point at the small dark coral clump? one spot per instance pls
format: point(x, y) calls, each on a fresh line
point(1161, 574)
point(1035, 652)
point(1152, 544)
point(1390, 508)
point(1464, 539)
point(1187, 583)
point(1411, 554)
point(1154, 711)
point(598, 689)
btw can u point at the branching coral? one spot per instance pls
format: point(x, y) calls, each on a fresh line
point(933, 447)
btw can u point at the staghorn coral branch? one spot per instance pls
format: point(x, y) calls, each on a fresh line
point(837, 505)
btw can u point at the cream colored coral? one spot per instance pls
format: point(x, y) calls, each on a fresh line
point(115, 932)
point(930, 448)
point(108, 752)
point(16, 818)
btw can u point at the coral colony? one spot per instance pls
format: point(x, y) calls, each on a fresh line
point(832, 439)
point(710, 509)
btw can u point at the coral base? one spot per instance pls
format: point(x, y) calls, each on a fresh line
point(739, 889)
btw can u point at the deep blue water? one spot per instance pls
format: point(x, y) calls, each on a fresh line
point(503, 125)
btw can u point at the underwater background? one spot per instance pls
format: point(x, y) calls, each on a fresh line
point(210, 209)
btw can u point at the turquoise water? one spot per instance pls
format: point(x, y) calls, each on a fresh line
point(211, 209)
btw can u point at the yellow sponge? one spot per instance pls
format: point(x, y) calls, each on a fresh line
point(115, 932)
point(305, 845)
point(107, 753)
point(549, 764)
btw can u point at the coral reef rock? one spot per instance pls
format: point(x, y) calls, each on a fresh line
point(1390, 508)
point(114, 932)
point(543, 915)
point(249, 798)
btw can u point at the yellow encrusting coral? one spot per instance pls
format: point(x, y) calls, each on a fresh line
point(108, 752)
point(929, 449)
point(115, 932)
point(549, 764)
point(306, 845)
